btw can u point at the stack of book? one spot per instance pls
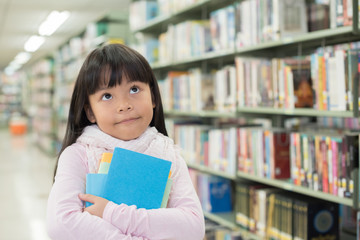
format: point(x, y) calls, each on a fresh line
point(131, 178)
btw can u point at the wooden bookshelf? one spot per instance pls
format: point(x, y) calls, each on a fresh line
point(300, 44)
point(287, 185)
point(209, 170)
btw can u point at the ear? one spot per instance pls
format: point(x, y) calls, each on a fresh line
point(89, 114)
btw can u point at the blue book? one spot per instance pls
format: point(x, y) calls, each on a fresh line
point(136, 179)
point(94, 184)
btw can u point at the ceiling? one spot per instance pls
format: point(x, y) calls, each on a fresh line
point(20, 19)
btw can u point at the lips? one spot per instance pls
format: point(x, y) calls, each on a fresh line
point(128, 120)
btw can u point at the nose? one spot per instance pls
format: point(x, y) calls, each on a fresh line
point(124, 105)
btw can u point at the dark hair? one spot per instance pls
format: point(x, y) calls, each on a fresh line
point(109, 64)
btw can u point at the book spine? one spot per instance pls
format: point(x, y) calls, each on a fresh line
point(325, 181)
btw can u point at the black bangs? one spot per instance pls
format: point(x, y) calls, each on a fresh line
point(111, 64)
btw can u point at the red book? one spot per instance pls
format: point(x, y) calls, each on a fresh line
point(280, 164)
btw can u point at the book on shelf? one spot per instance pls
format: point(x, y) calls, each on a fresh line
point(202, 145)
point(302, 88)
point(323, 80)
point(263, 196)
point(207, 90)
point(214, 192)
point(358, 225)
point(277, 155)
point(225, 89)
point(242, 206)
point(318, 16)
point(191, 38)
point(269, 20)
point(222, 150)
point(141, 12)
point(274, 213)
point(353, 60)
point(341, 13)
point(330, 70)
point(263, 152)
point(348, 219)
point(298, 217)
point(222, 28)
point(324, 162)
point(316, 218)
point(292, 18)
point(254, 207)
point(134, 179)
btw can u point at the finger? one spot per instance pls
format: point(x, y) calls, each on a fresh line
point(87, 197)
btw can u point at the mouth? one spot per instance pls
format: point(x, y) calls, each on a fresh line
point(128, 120)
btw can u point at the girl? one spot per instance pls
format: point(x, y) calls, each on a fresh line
point(116, 103)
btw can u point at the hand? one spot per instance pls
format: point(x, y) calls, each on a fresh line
point(98, 206)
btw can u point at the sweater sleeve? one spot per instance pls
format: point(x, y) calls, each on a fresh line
point(182, 219)
point(65, 218)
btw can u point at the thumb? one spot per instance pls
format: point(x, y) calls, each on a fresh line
point(87, 197)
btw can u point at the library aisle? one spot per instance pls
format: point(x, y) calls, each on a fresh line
point(25, 182)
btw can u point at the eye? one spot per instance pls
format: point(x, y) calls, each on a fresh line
point(106, 96)
point(134, 89)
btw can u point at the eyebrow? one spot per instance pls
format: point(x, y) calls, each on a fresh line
point(105, 87)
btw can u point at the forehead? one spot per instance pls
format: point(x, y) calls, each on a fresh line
point(107, 83)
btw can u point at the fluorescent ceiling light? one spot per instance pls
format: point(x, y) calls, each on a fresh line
point(22, 57)
point(53, 22)
point(9, 71)
point(15, 65)
point(12, 68)
point(33, 43)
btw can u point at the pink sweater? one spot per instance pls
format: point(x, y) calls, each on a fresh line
point(182, 219)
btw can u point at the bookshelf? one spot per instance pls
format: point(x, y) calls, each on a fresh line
point(11, 97)
point(209, 170)
point(41, 104)
point(293, 188)
point(175, 16)
point(305, 43)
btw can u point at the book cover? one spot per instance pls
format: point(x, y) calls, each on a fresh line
point(321, 219)
point(347, 217)
point(254, 207)
point(292, 17)
point(263, 195)
point(94, 185)
point(302, 82)
point(277, 154)
point(351, 161)
point(242, 205)
point(220, 194)
point(136, 179)
point(318, 16)
point(166, 193)
point(352, 75)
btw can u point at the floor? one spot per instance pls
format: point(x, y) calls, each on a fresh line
point(25, 182)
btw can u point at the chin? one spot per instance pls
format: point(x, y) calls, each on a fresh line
point(128, 137)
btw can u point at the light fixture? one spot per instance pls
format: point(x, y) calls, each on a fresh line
point(12, 68)
point(53, 22)
point(33, 43)
point(22, 57)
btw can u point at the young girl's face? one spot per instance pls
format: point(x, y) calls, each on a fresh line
point(123, 111)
